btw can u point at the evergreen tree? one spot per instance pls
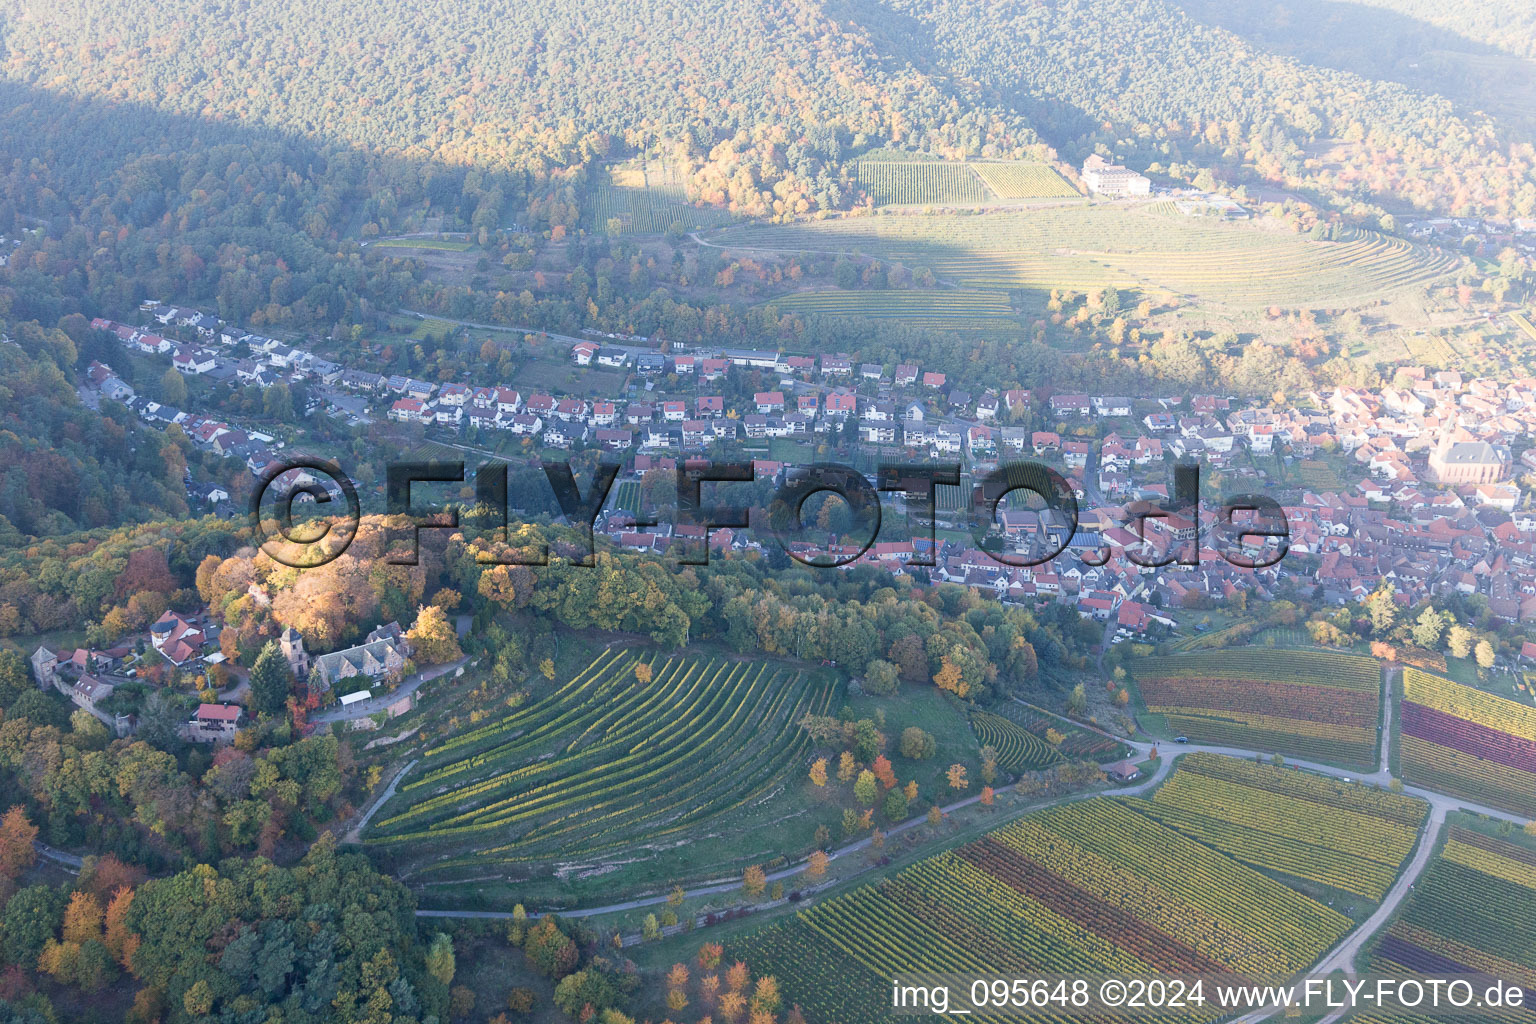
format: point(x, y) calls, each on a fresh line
point(271, 680)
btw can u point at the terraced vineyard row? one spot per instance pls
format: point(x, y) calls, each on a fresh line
point(1077, 743)
point(1092, 887)
point(608, 759)
point(1317, 704)
point(1369, 263)
point(1460, 740)
point(1018, 749)
point(1472, 911)
point(1348, 836)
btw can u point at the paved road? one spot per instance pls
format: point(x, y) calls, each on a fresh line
point(69, 860)
point(355, 832)
point(364, 708)
point(1386, 718)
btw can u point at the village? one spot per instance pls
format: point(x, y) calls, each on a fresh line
point(1423, 489)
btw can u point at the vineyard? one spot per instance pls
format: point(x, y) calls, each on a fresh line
point(1315, 704)
point(1524, 323)
point(1469, 743)
point(1092, 887)
point(647, 199)
point(1019, 734)
point(922, 182)
point(1348, 836)
point(614, 757)
point(1086, 247)
point(1016, 180)
point(1472, 911)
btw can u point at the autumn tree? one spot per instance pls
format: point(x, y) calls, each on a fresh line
point(883, 772)
point(17, 852)
point(956, 776)
point(846, 766)
point(82, 918)
point(550, 950)
point(709, 955)
point(440, 959)
point(819, 772)
point(643, 673)
point(434, 637)
point(917, 744)
point(765, 995)
point(816, 865)
point(948, 678)
point(754, 881)
point(121, 942)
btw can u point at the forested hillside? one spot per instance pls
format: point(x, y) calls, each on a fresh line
point(1156, 86)
point(766, 114)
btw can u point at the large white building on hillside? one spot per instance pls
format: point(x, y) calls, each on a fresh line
point(1106, 179)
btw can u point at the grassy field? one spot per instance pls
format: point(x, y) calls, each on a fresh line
point(948, 309)
point(928, 709)
point(445, 244)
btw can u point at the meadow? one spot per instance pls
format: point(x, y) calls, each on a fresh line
point(951, 309)
point(443, 244)
point(1098, 886)
point(1467, 742)
point(1314, 704)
